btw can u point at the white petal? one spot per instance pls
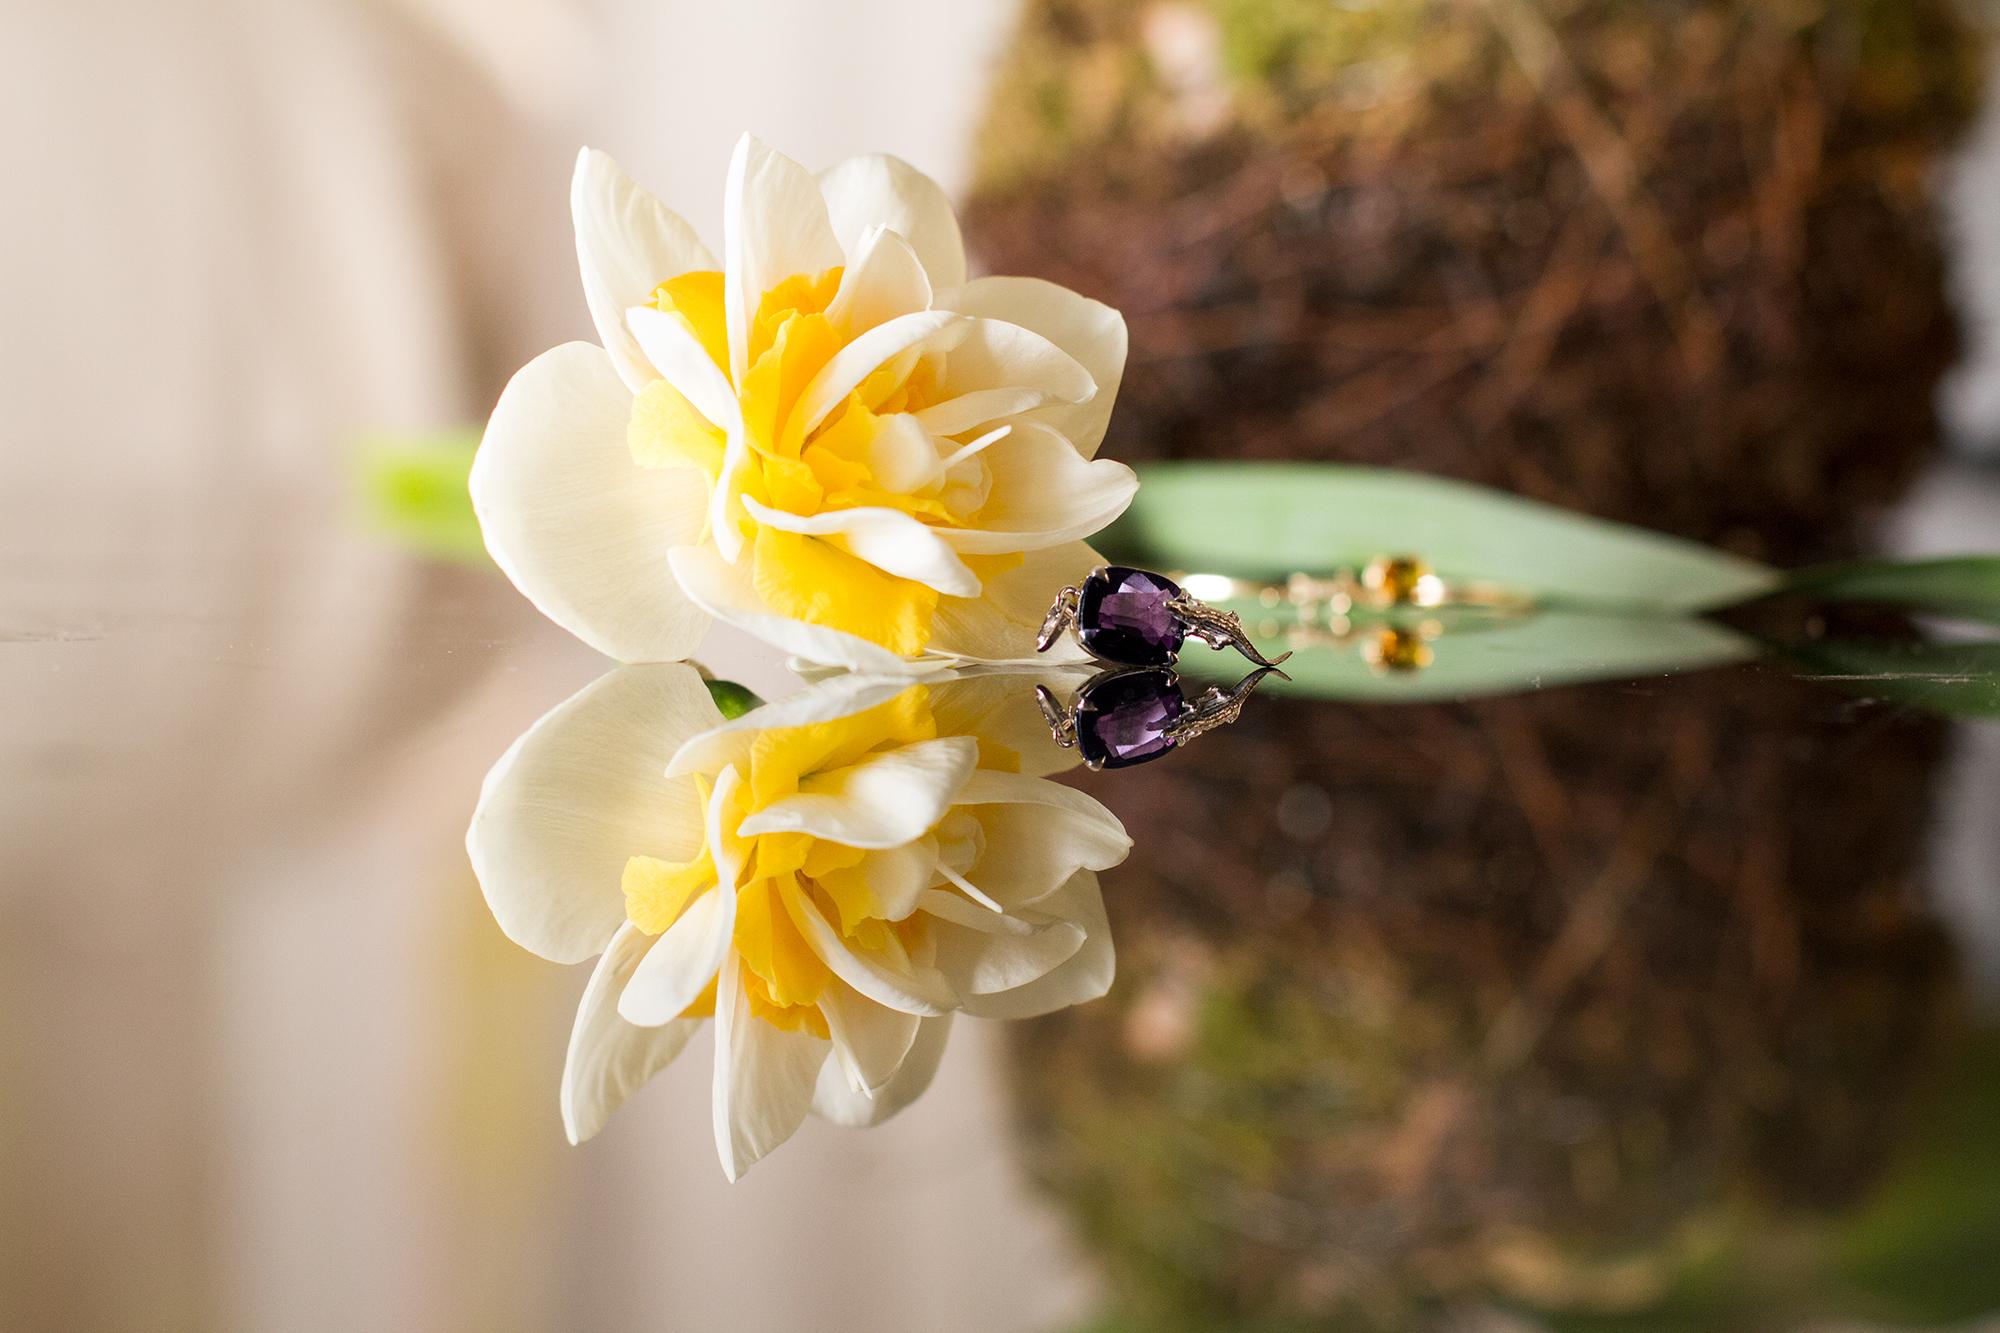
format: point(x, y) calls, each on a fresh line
point(884, 801)
point(865, 192)
point(998, 706)
point(888, 539)
point(869, 1039)
point(836, 1100)
point(729, 848)
point(609, 1059)
point(974, 408)
point(884, 280)
point(972, 448)
point(924, 331)
point(980, 951)
point(836, 696)
point(1088, 330)
point(682, 961)
point(764, 1077)
point(1001, 623)
point(581, 792)
point(903, 455)
point(673, 351)
point(774, 225)
point(996, 369)
point(955, 909)
point(897, 876)
point(725, 592)
point(919, 990)
point(725, 496)
point(1038, 835)
point(1086, 974)
point(579, 527)
point(1044, 494)
point(627, 244)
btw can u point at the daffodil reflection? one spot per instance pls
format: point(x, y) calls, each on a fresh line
point(828, 878)
point(830, 437)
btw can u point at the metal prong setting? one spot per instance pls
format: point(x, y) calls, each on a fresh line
point(1061, 720)
point(1062, 616)
point(1219, 629)
point(1217, 707)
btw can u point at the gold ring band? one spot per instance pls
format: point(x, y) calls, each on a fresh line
point(1387, 583)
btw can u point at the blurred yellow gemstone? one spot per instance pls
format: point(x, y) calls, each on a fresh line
point(1400, 580)
point(1394, 649)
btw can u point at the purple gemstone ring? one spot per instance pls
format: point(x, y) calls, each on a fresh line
point(1130, 715)
point(1134, 617)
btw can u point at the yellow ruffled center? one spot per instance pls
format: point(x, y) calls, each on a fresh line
point(839, 463)
point(785, 875)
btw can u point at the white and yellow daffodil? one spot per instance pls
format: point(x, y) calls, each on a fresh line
point(829, 878)
point(831, 438)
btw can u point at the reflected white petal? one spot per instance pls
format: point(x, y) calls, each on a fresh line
point(682, 961)
point(1038, 835)
point(920, 990)
point(764, 1078)
point(836, 696)
point(609, 1059)
point(836, 1100)
point(981, 952)
point(869, 1039)
point(574, 798)
point(1085, 975)
point(884, 801)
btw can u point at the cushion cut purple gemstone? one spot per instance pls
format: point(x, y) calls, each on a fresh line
point(1122, 720)
point(1122, 615)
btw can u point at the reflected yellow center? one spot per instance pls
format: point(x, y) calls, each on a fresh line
point(787, 874)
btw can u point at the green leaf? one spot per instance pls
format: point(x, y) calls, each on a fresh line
point(1256, 520)
point(1964, 586)
point(1953, 679)
point(1491, 655)
point(1923, 1248)
point(732, 699)
point(413, 491)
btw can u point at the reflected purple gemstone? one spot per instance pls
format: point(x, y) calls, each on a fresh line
point(1122, 615)
point(1122, 720)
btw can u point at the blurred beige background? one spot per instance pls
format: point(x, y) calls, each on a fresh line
point(265, 1063)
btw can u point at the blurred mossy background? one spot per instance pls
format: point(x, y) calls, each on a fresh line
point(1621, 1010)
point(1666, 261)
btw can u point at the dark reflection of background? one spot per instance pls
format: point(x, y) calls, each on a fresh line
point(1609, 1004)
point(1540, 998)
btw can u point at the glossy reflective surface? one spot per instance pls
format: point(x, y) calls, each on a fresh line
point(1583, 973)
point(1638, 996)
